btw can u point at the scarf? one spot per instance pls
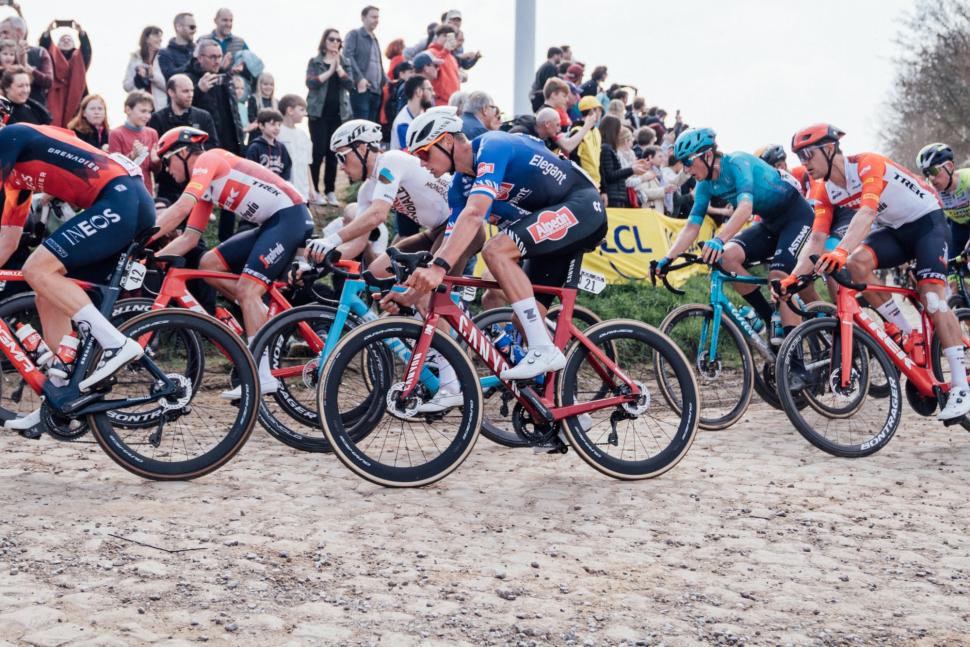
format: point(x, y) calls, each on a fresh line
point(69, 85)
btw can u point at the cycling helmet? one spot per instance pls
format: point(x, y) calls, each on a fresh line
point(933, 155)
point(6, 109)
point(693, 141)
point(815, 135)
point(428, 127)
point(356, 131)
point(773, 154)
point(178, 138)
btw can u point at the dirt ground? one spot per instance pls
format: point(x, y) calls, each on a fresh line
point(755, 538)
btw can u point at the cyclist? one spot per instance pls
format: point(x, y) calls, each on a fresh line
point(217, 178)
point(935, 162)
point(755, 187)
point(116, 207)
point(909, 222)
point(549, 207)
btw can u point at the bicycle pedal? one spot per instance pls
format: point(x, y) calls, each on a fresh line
point(952, 421)
point(34, 432)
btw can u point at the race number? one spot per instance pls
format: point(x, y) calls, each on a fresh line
point(591, 282)
point(136, 276)
point(468, 293)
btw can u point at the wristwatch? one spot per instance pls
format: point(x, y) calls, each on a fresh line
point(442, 263)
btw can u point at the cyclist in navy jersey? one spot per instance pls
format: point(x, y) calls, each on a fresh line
point(548, 208)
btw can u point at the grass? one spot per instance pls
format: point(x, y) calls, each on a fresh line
point(641, 301)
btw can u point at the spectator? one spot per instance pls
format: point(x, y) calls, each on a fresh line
point(549, 130)
point(328, 106)
point(587, 152)
point(8, 53)
point(594, 86)
point(35, 60)
point(69, 72)
point(90, 124)
point(655, 117)
point(297, 142)
point(178, 54)
point(135, 139)
point(265, 92)
point(637, 113)
point(465, 59)
point(574, 75)
point(180, 112)
point(645, 136)
point(655, 191)
point(420, 97)
point(480, 115)
point(457, 101)
point(144, 71)
point(567, 53)
point(265, 150)
point(616, 108)
point(245, 106)
point(213, 94)
point(394, 53)
point(15, 85)
point(228, 42)
point(366, 66)
point(677, 202)
point(546, 71)
point(393, 105)
point(427, 65)
point(413, 50)
point(612, 174)
point(448, 80)
point(556, 94)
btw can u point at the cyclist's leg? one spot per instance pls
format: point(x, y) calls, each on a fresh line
point(791, 237)
point(229, 256)
point(756, 243)
point(840, 225)
point(880, 249)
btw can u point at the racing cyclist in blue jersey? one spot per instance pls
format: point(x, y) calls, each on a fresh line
point(549, 210)
point(754, 187)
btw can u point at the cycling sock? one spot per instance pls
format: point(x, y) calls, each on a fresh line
point(447, 378)
point(760, 305)
point(265, 374)
point(958, 370)
point(890, 310)
point(98, 327)
point(534, 327)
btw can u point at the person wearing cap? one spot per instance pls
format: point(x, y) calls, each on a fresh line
point(465, 59)
point(587, 152)
point(448, 80)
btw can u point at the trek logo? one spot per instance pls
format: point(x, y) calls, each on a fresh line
point(484, 168)
point(549, 168)
point(910, 184)
point(552, 225)
point(273, 255)
point(233, 193)
point(887, 341)
point(85, 229)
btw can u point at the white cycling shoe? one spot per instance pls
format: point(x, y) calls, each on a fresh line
point(441, 402)
point(266, 387)
point(24, 422)
point(537, 361)
point(112, 361)
point(957, 405)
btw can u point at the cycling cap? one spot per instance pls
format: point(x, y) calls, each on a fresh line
point(6, 108)
point(933, 155)
point(814, 135)
point(772, 154)
point(356, 131)
point(178, 138)
point(430, 126)
point(692, 141)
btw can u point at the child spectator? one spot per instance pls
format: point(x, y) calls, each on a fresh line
point(246, 105)
point(297, 142)
point(556, 93)
point(265, 88)
point(90, 124)
point(265, 149)
point(135, 139)
point(8, 53)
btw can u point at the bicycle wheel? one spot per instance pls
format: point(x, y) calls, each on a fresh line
point(583, 317)
point(197, 431)
point(125, 309)
point(727, 381)
point(16, 396)
point(646, 437)
point(867, 423)
point(293, 341)
point(401, 447)
point(941, 369)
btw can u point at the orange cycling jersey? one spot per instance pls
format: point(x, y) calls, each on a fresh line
point(252, 192)
point(47, 159)
point(897, 196)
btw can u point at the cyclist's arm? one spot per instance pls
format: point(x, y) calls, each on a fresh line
point(740, 216)
point(16, 209)
point(365, 221)
point(684, 240)
point(182, 245)
point(174, 215)
point(814, 245)
point(467, 226)
point(859, 228)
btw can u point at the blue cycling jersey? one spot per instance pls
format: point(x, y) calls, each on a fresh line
point(744, 177)
point(518, 173)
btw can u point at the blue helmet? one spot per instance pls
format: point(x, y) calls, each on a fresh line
point(694, 140)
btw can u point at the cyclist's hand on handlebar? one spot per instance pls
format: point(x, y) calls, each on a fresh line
point(318, 247)
point(832, 261)
point(299, 266)
point(658, 270)
point(785, 285)
point(393, 300)
point(426, 279)
point(713, 250)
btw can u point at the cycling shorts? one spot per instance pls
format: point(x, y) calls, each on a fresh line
point(840, 225)
point(263, 254)
point(926, 239)
point(959, 236)
point(550, 239)
point(779, 238)
point(405, 226)
point(430, 240)
point(88, 245)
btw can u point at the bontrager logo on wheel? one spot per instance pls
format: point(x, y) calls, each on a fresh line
point(552, 225)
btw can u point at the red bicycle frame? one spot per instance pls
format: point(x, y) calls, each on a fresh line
point(442, 307)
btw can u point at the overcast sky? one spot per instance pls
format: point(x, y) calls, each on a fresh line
point(754, 70)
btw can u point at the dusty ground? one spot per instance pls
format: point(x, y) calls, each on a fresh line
point(755, 538)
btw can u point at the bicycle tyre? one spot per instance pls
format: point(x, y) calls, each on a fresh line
point(16, 396)
point(936, 357)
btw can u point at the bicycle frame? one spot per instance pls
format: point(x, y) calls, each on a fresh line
point(174, 289)
point(722, 305)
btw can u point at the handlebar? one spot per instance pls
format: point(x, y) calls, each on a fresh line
point(689, 259)
point(842, 277)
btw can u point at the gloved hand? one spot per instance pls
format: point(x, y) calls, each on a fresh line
point(713, 249)
point(318, 247)
point(299, 266)
point(786, 283)
point(659, 269)
point(832, 261)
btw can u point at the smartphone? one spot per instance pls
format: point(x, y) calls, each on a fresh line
point(219, 80)
point(63, 23)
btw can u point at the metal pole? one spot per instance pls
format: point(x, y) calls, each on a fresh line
point(525, 54)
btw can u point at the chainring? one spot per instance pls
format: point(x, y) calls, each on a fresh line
point(526, 427)
point(61, 428)
point(923, 405)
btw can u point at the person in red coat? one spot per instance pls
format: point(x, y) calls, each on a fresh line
point(449, 77)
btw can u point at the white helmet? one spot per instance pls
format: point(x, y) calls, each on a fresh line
point(430, 125)
point(354, 131)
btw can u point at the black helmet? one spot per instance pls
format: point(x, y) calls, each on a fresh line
point(773, 154)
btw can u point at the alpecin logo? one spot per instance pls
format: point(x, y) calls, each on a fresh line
point(552, 225)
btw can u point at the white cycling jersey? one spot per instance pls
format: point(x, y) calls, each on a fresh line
point(411, 189)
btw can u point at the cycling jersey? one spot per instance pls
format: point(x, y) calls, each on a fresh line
point(744, 177)
point(800, 173)
point(956, 203)
point(874, 181)
point(411, 190)
point(221, 179)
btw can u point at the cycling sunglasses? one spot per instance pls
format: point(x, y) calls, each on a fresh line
point(805, 154)
point(689, 160)
point(932, 171)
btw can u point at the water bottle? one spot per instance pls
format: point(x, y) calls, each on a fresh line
point(64, 358)
point(777, 330)
point(748, 314)
point(33, 343)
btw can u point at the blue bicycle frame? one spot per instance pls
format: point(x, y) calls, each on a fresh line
point(723, 306)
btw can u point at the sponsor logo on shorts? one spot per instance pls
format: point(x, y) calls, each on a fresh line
point(88, 227)
point(484, 168)
point(272, 255)
point(57, 249)
point(552, 225)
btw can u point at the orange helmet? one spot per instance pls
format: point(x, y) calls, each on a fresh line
point(814, 135)
point(178, 138)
